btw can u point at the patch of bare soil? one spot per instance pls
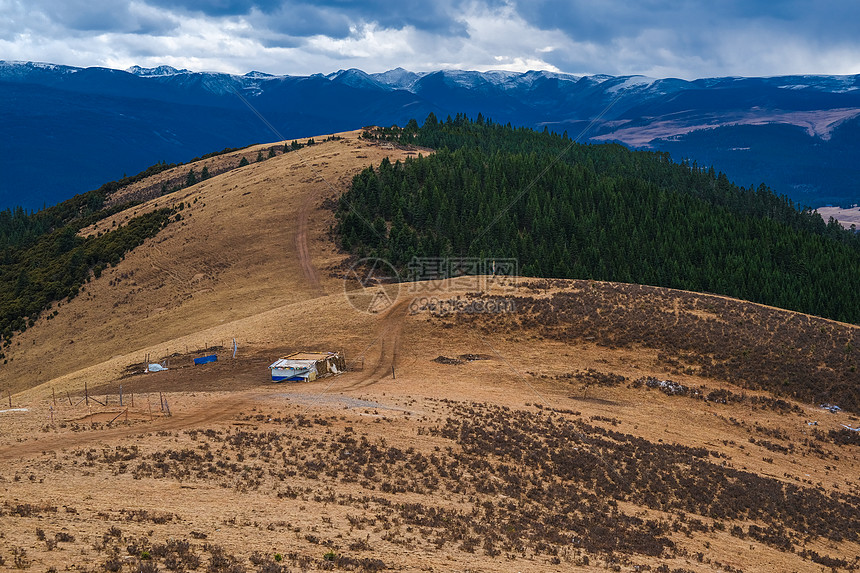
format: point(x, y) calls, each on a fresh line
point(846, 217)
point(111, 416)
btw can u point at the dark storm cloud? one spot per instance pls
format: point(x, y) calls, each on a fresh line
point(439, 17)
point(700, 38)
point(302, 20)
point(333, 17)
point(218, 7)
point(54, 16)
point(605, 21)
point(336, 19)
point(693, 38)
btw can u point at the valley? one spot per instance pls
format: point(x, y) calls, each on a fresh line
point(796, 133)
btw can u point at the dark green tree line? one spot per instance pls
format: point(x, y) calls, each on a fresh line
point(600, 212)
point(56, 265)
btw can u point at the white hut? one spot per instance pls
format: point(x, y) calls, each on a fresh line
point(306, 366)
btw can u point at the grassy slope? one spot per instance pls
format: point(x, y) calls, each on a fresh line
point(232, 257)
point(232, 270)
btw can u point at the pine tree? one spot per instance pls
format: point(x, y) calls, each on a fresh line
point(598, 211)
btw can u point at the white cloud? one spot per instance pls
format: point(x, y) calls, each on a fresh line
point(500, 39)
point(367, 42)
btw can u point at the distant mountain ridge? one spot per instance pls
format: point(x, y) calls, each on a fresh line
point(68, 129)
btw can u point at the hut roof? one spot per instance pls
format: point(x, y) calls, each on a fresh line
point(309, 355)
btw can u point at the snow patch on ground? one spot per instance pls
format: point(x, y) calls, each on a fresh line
point(631, 83)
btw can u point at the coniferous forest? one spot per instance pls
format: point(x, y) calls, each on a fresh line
point(602, 212)
point(43, 259)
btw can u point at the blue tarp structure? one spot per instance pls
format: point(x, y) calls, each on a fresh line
point(206, 359)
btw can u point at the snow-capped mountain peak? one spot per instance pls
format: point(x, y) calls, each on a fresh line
point(17, 69)
point(255, 75)
point(355, 78)
point(159, 71)
point(398, 78)
point(750, 118)
point(631, 83)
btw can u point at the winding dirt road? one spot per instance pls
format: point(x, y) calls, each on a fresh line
point(388, 333)
point(301, 241)
point(214, 411)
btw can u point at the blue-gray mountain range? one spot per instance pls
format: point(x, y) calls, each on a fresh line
point(66, 129)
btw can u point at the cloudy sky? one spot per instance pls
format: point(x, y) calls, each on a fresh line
point(661, 38)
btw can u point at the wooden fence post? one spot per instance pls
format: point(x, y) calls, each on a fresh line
point(117, 416)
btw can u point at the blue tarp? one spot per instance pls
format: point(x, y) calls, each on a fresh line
point(206, 359)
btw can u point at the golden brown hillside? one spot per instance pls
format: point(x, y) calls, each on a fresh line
point(243, 247)
point(588, 426)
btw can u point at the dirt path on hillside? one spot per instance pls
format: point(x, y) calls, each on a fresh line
point(389, 334)
point(221, 409)
point(301, 240)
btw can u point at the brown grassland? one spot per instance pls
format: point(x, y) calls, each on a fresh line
point(595, 426)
